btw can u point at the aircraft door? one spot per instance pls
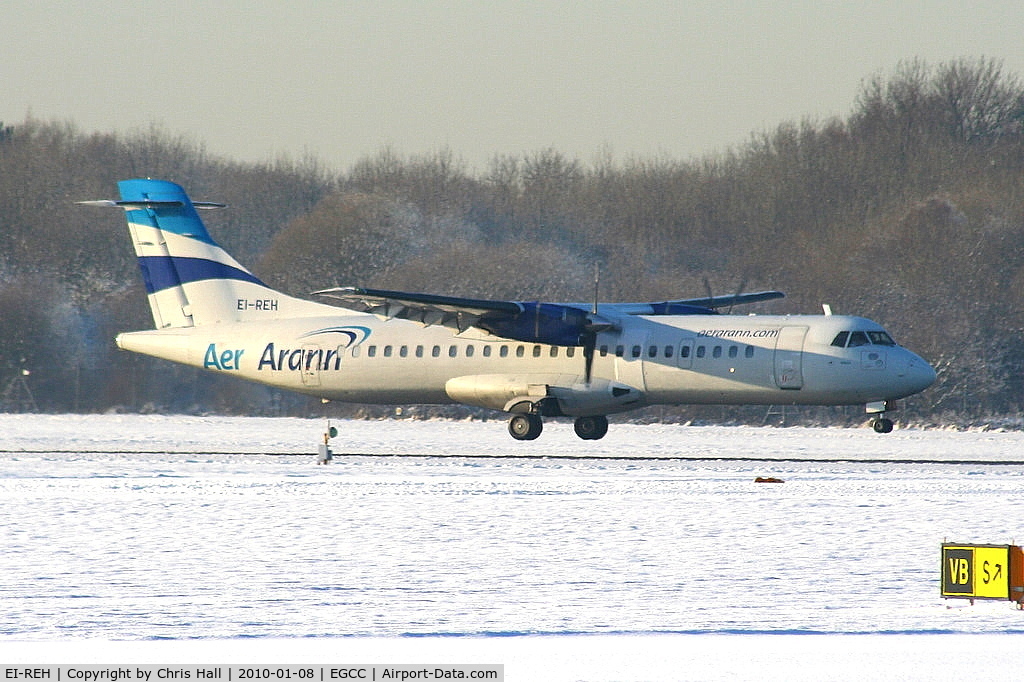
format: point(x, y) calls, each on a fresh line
point(629, 365)
point(312, 358)
point(789, 347)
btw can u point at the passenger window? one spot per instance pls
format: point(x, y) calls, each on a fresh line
point(487, 351)
point(355, 351)
point(469, 351)
point(371, 352)
point(570, 352)
point(684, 352)
point(403, 352)
point(734, 351)
point(536, 351)
point(453, 351)
point(620, 351)
point(435, 351)
point(858, 339)
point(387, 351)
point(701, 351)
point(840, 340)
point(637, 350)
point(717, 352)
point(604, 351)
point(668, 351)
point(652, 352)
point(503, 352)
point(553, 352)
point(749, 352)
point(520, 351)
point(419, 351)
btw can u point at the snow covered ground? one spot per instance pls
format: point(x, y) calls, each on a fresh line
point(651, 554)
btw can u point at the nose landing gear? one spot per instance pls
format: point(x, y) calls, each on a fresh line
point(881, 423)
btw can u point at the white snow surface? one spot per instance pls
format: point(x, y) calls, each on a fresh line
point(651, 554)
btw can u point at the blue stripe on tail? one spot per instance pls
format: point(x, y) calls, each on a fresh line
point(176, 215)
point(161, 272)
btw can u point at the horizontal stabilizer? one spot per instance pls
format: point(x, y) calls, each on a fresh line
point(131, 205)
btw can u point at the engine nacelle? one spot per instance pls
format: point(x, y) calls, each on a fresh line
point(518, 392)
point(551, 323)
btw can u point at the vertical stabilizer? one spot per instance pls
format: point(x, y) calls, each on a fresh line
point(190, 280)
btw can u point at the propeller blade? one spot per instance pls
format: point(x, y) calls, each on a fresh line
point(589, 342)
point(589, 336)
point(739, 290)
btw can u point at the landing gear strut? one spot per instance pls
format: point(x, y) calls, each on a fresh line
point(881, 423)
point(591, 428)
point(525, 426)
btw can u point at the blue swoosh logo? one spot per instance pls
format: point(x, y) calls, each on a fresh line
point(355, 334)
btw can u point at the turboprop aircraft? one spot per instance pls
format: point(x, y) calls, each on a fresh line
point(529, 359)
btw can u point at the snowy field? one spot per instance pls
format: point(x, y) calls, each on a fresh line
point(651, 554)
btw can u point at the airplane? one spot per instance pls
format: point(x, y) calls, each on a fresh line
point(530, 359)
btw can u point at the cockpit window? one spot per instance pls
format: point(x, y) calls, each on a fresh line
point(854, 339)
point(858, 339)
point(881, 339)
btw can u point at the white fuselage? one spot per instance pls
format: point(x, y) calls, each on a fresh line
point(687, 359)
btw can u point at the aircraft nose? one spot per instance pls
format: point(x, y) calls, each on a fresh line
point(919, 375)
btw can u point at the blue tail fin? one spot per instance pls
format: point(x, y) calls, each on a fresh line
point(190, 280)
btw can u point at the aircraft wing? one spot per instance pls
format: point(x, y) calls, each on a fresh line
point(691, 306)
point(429, 309)
point(561, 324)
point(734, 299)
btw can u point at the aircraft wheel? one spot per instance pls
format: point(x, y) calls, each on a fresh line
point(882, 425)
point(525, 426)
point(591, 428)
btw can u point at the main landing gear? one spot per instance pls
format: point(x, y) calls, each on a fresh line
point(529, 426)
point(591, 428)
point(525, 426)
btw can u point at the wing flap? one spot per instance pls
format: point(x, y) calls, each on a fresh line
point(685, 306)
point(427, 309)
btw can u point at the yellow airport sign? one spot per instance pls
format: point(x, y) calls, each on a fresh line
point(982, 571)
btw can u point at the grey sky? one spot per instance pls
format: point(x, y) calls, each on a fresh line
point(340, 80)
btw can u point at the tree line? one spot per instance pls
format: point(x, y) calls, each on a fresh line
point(909, 210)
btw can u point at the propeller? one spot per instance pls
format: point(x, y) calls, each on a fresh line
point(735, 296)
point(739, 290)
point(591, 329)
